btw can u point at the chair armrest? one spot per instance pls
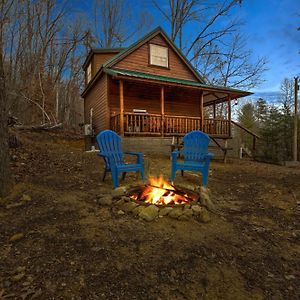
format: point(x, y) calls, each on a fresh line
point(209, 155)
point(134, 153)
point(139, 156)
point(174, 154)
point(108, 160)
point(207, 158)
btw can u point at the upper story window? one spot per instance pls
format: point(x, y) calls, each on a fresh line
point(159, 56)
point(89, 73)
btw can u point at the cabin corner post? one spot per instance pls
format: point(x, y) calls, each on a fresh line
point(229, 115)
point(214, 118)
point(162, 104)
point(201, 111)
point(121, 87)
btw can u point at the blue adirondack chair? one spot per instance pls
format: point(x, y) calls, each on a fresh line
point(196, 155)
point(110, 147)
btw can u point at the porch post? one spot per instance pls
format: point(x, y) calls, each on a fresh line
point(214, 118)
point(214, 110)
point(201, 111)
point(229, 115)
point(162, 105)
point(121, 107)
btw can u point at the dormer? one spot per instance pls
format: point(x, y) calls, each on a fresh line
point(95, 60)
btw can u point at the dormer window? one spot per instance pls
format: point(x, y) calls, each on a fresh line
point(89, 73)
point(159, 56)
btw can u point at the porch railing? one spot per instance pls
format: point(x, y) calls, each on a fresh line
point(156, 124)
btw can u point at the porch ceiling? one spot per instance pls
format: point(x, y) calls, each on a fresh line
point(212, 93)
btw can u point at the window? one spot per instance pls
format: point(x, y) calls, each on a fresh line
point(159, 56)
point(89, 73)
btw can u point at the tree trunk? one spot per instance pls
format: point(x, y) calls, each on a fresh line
point(4, 151)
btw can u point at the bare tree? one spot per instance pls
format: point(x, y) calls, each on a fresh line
point(5, 7)
point(114, 24)
point(216, 49)
point(42, 50)
point(231, 64)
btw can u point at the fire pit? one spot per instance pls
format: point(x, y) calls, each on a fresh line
point(160, 192)
point(159, 199)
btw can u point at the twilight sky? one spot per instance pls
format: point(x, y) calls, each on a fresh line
point(271, 30)
point(271, 27)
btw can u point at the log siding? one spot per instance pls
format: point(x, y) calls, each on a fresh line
point(138, 60)
point(97, 99)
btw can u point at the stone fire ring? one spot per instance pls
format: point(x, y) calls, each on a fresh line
point(198, 211)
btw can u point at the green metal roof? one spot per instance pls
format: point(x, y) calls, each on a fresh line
point(122, 72)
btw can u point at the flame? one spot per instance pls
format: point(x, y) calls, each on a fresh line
point(160, 192)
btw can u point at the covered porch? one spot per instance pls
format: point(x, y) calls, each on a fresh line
point(151, 107)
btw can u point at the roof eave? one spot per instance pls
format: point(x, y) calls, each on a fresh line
point(236, 93)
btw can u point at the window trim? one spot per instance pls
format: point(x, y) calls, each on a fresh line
point(89, 74)
point(168, 56)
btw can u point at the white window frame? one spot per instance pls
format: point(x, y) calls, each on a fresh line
point(160, 59)
point(89, 73)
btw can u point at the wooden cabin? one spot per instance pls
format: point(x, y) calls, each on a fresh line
point(151, 89)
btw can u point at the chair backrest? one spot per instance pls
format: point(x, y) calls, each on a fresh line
point(109, 143)
point(195, 145)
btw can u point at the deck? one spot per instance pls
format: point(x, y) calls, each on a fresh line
point(167, 125)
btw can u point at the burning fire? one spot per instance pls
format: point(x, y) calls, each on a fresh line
point(160, 192)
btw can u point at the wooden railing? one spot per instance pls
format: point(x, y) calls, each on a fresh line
point(181, 124)
point(155, 124)
point(216, 127)
point(142, 123)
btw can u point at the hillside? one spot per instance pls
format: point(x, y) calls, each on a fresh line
point(59, 240)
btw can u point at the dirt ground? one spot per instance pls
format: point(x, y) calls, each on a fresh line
point(58, 242)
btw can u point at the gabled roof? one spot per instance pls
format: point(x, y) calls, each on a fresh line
point(110, 63)
point(100, 50)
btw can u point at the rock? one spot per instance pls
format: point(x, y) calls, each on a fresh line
point(176, 212)
point(165, 211)
point(119, 191)
point(136, 211)
point(20, 270)
point(14, 205)
point(121, 212)
point(184, 218)
point(129, 206)
point(204, 216)
point(120, 202)
point(25, 198)
point(18, 277)
point(196, 209)
point(289, 277)
point(188, 212)
point(189, 187)
point(186, 206)
point(16, 237)
point(106, 200)
point(126, 199)
point(205, 201)
point(149, 213)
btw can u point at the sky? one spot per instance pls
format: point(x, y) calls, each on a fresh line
point(271, 30)
point(271, 27)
